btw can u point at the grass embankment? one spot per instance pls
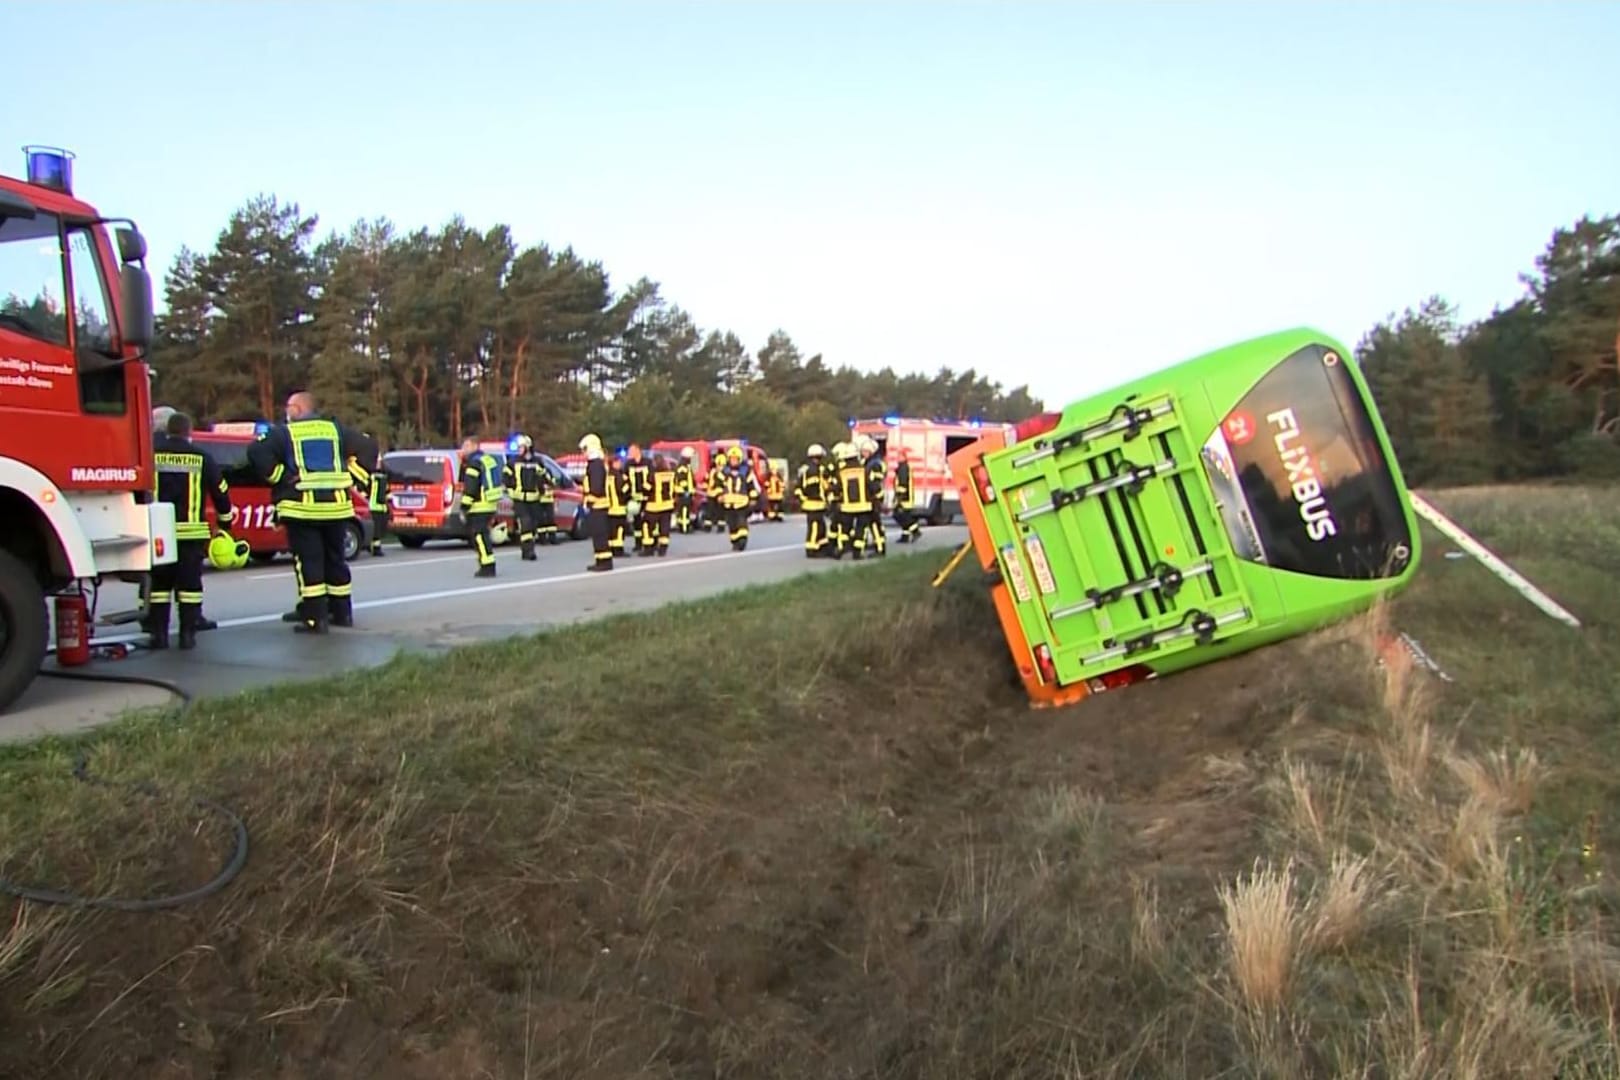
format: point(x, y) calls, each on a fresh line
point(811, 830)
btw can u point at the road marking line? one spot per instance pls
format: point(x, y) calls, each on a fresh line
point(1491, 561)
point(504, 586)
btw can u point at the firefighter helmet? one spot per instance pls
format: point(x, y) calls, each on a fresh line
point(226, 553)
point(591, 444)
point(687, 453)
point(816, 450)
point(524, 443)
point(734, 455)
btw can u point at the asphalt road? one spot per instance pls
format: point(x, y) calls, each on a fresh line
point(419, 601)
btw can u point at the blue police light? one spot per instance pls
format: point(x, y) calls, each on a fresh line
point(50, 167)
point(891, 420)
point(261, 429)
point(512, 446)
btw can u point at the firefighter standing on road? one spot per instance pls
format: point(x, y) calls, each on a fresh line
point(186, 476)
point(160, 428)
point(854, 505)
point(811, 491)
point(712, 485)
point(829, 486)
point(545, 529)
point(876, 470)
point(619, 507)
point(638, 471)
point(525, 477)
point(685, 489)
point(904, 492)
point(377, 502)
point(598, 498)
point(739, 492)
point(481, 490)
point(660, 505)
point(303, 462)
point(775, 492)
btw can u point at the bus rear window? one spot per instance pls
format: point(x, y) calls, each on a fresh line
point(1303, 482)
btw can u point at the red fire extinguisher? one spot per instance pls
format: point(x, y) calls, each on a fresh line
point(72, 630)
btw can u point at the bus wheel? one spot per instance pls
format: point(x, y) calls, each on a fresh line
point(23, 625)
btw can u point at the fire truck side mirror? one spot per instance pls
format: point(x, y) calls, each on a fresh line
point(139, 322)
point(131, 245)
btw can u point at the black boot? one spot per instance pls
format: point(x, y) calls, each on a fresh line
point(486, 571)
point(340, 611)
point(188, 627)
point(311, 617)
point(528, 551)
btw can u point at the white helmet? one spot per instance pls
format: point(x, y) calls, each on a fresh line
point(524, 442)
point(592, 445)
point(688, 453)
point(816, 450)
point(865, 444)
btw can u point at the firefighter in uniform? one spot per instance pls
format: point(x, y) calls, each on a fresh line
point(526, 478)
point(303, 462)
point(712, 485)
point(160, 427)
point(835, 517)
point(638, 472)
point(739, 493)
point(598, 498)
point(854, 505)
point(775, 491)
point(186, 475)
point(659, 508)
point(905, 493)
point(482, 486)
point(545, 529)
point(619, 508)
point(811, 491)
point(876, 470)
point(377, 502)
point(685, 489)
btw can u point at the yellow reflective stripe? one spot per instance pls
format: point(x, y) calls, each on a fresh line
point(191, 598)
point(158, 596)
point(307, 436)
point(277, 473)
point(340, 590)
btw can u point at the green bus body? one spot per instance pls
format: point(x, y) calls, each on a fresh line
point(1236, 499)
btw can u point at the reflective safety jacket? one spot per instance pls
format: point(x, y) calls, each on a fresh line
point(811, 489)
point(377, 491)
point(685, 483)
point(305, 464)
point(829, 481)
point(527, 478)
point(482, 484)
point(598, 485)
point(852, 491)
point(618, 494)
point(638, 473)
point(662, 497)
point(774, 487)
point(712, 483)
point(903, 491)
point(875, 471)
point(186, 474)
point(739, 487)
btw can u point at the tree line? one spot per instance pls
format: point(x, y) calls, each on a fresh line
point(1530, 392)
point(422, 337)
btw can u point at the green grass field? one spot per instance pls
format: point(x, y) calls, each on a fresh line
point(813, 831)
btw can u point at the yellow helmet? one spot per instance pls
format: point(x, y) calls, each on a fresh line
point(226, 553)
point(734, 454)
point(816, 450)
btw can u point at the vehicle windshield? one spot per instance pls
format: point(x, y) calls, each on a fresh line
point(416, 468)
point(31, 284)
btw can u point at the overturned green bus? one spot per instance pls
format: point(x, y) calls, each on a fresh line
point(1236, 499)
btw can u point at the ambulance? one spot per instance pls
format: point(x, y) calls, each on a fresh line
point(256, 524)
point(931, 443)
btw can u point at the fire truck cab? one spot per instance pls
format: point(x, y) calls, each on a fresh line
point(77, 482)
point(931, 443)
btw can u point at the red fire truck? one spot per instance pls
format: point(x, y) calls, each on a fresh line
point(931, 443)
point(76, 472)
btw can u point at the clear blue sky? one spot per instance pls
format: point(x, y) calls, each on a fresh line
point(1058, 194)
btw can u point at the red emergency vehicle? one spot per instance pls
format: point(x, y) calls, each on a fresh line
point(424, 497)
point(76, 473)
point(256, 521)
point(931, 443)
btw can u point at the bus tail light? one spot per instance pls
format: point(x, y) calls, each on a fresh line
point(1038, 424)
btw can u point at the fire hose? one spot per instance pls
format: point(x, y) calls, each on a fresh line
point(81, 772)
